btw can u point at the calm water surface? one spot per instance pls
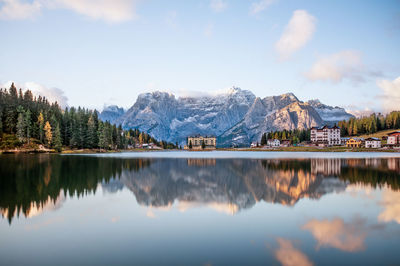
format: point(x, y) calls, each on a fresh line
point(216, 208)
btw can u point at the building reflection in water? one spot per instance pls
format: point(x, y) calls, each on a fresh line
point(326, 167)
point(34, 184)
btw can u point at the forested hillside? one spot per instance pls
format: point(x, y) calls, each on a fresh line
point(295, 136)
point(352, 127)
point(370, 124)
point(27, 120)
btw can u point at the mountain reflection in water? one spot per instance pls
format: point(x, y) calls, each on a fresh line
point(31, 184)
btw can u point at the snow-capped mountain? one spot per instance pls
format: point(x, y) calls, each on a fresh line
point(236, 117)
point(111, 113)
point(330, 113)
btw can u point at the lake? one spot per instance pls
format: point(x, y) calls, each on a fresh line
point(200, 208)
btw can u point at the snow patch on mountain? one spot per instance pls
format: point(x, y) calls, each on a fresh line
point(330, 113)
point(236, 117)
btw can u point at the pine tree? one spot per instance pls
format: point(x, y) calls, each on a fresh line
point(203, 145)
point(1, 123)
point(21, 127)
point(28, 126)
point(355, 128)
point(284, 135)
point(40, 123)
point(263, 139)
point(190, 145)
point(92, 133)
point(48, 133)
point(102, 137)
point(57, 138)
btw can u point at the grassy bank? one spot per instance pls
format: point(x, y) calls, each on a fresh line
point(379, 134)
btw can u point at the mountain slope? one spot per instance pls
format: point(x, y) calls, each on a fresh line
point(330, 114)
point(111, 113)
point(236, 117)
point(296, 115)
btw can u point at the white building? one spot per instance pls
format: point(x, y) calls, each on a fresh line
point(372, 143)
point(273, 143)
point(253, 145)
point(326, 135)
point(393, 138)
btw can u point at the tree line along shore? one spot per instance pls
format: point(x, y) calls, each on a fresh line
point(33, 124)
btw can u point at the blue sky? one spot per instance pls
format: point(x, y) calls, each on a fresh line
point(107, 52)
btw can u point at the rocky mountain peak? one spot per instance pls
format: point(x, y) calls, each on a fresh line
point(237, 116)
point(111, 113)
point(330, 114)
point(290, 96)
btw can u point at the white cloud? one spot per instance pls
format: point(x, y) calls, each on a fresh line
point(297, 33)
point(359, 112)
point(52, 94)
point(108, 10)
point(17, 9)
point(259, 6)
point(218, 5)
point(288, 255)
point(344, 65)
point(391, 94)
point(336, 67)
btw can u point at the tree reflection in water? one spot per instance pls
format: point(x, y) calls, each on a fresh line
point(30, 184)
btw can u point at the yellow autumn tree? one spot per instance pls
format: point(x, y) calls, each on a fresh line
point(47, 131)
point(141, 138)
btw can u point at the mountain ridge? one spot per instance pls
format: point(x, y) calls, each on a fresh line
point(237, 117)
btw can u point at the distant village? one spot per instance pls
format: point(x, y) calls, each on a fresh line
point(325, 136)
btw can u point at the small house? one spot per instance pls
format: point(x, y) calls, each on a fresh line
point(343, 141)
point(355, 142)
point(372, 143)
point(393, 138)
point(273, 143)
point(285, 143)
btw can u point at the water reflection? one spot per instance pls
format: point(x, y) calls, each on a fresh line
point(31, 184)
point(288, 255)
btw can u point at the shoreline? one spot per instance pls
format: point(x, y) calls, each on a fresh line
point(282, 149)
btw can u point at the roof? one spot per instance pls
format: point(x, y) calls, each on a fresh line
point(198, 136)
point(373, 139)
point(326, 126)
point(395, 133)
point(356, 138)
